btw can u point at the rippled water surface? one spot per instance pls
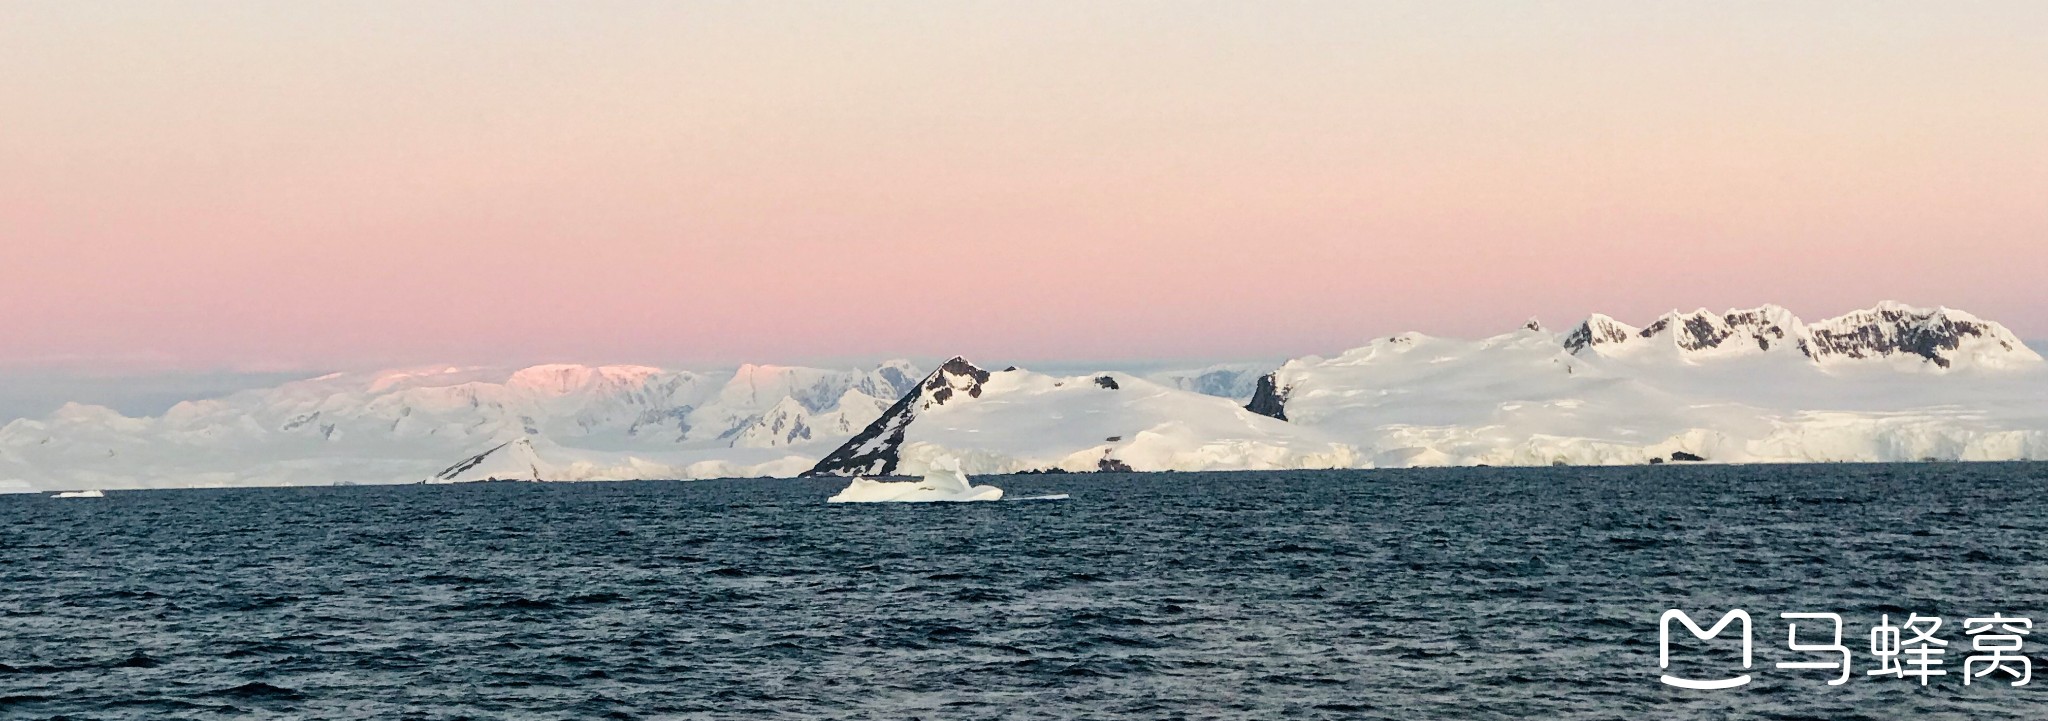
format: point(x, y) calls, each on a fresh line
point(1472, 593)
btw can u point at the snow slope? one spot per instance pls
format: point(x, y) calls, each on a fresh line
point(553, 422)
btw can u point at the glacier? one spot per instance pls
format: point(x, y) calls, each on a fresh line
point(1890, 383)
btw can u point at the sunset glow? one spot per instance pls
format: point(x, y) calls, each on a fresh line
point(286, 185)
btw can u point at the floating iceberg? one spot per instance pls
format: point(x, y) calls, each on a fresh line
point(943, 482)
point(95, 493)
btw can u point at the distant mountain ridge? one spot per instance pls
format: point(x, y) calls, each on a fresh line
point(557, 421)
point(1943, 337)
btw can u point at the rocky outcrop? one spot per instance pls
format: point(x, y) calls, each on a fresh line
point(1269, 399)
point(1112, 465)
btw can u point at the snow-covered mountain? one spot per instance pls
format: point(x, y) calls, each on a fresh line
point(1224, 380)
point(556, 422)
point(1017, 420)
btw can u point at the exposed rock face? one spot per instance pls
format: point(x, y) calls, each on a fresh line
point(876, 449)
point(1269, 399)
point(1891, 329)
point(1940, 336)
point(1598, 330)
point(1759, 329)
point(455, 471)
point(512, 460)
point(1106, 382)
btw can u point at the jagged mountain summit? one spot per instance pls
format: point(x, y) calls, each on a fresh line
point(1891, 332)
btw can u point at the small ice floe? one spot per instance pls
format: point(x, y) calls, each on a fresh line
point(1051, 497)
point(943, 482)
point(94, 493)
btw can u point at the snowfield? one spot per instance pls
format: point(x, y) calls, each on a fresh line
point(1892, 383)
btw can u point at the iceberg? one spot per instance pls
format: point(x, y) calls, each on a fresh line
point(943, 482)
point(95, 493)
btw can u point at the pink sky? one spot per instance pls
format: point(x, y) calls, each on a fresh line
point(285, 185)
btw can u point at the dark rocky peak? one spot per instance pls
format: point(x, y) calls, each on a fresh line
point(1760, 328)
point(1938, 336)
point(1269, 400)
point(1691, 332)
point(1598, 330)
point(953, 376)
point(876, 449)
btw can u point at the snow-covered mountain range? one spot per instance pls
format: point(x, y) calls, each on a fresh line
point(1889, 384)
point(551, 422)
point(1897, 334)
point(1893, 383)
point(1760, 385)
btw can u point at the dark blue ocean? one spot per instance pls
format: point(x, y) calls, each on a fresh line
point(1457, 593)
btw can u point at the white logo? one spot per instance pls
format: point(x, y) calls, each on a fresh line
point(1664, 647)
point(2006, 654)
point(1792, 639)
point(1912, 650)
